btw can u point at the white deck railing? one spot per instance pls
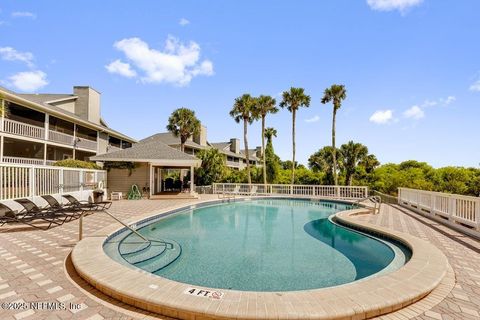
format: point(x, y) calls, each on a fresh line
point(339, 192)
point(455, 208)
point(23, 129)
point(21, 160)
point(22, 181)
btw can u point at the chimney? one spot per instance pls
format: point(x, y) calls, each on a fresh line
point(258, 152)
point(235, 145)
point(87, 105)
point(201, 137)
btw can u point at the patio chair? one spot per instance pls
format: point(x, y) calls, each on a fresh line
point(87, 205)
point(55, 205)
point(7, 215)
point(53, 216)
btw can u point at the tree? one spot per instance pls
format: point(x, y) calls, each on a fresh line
point(272, 161)
point(370, 162)
point(322, 161)
point(243, 110)
point(3, 105)
point(264, 106)
point(336, 93)
point(183, 124)
point(212, 168)
point(293, 100)
point(352, 154)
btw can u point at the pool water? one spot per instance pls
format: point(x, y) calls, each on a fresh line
point(259, 245)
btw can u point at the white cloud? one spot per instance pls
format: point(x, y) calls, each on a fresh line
point(448, 100)
point(475, 86)
point(29, 81)
point(183, 22)
point(390, 5)
point(10, 54)
point(24, 14)
point(122, 68)
point(415, 112)
point(178, 63)
point(382, 116)
point(313, 119)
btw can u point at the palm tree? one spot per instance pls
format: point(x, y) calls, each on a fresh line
point(270, 133)
point(243, 109)
point(264, 106)
point(293, 100)
point(370, 162)
point(353, 153)
point(272, 161)
point(322, 161)
point(335, 93)
point(183, 123)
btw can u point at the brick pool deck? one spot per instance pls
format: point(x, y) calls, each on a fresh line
point(34, 267)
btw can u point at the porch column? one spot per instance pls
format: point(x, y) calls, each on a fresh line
point(152, 180)
point(74, 139)
point(192, 185)
point(47, 125)
point(1, 148)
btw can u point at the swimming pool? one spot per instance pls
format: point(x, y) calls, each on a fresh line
point(257, 245)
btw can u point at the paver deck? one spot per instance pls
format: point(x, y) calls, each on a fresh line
point(34, 269)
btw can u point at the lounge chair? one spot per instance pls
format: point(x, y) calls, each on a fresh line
point(53, 216)
point(7, 215)
point(253, 191)
point(87, 205)
point(55, 205)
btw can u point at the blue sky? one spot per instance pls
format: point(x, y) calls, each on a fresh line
point(411, 67)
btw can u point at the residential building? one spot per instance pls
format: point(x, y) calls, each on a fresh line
point(235, 157)
point(41, 129)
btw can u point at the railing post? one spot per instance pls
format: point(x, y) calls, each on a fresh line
point(81, 180)
point(31, 179)
point(477, 214)
point(452, 208)
point(60, 181)
point(337, 192)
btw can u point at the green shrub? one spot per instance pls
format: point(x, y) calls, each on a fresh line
point(71, 163)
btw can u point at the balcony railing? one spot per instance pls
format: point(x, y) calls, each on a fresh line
point(60, 137)
point(23, 129)
point(320, 191)
point(20, 160)
point(86, 144)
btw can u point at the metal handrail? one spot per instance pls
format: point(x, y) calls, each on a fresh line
point(375, 199)
point(80, 229)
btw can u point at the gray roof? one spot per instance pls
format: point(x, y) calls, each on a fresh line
point(150, 151)
point(169, 139)
point(43, 99)
point(221, 145)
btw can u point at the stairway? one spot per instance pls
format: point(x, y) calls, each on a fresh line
point(151, 256)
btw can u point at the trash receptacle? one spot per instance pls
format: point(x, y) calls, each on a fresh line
point(97, 195)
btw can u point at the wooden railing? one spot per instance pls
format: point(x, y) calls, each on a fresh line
point(21, 160)
point(457, 209)
point(23, 129)
point(60, 137)
point(22, 181)
point(86, 144)
point(338, 192)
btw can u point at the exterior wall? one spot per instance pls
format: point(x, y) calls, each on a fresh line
point(87, 105)
point(67, 105)
point(102, 142)
point(120, 181)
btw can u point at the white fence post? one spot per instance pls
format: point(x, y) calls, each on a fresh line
point(477, 214)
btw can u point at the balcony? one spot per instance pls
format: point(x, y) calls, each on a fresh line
point(31, 131)
point(60, 137)
point(23, 129)
point(86, 144)
point(233, 164)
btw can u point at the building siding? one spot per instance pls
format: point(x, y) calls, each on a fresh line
point(120, 181)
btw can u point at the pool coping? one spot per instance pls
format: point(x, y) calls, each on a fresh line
point(357, 300)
